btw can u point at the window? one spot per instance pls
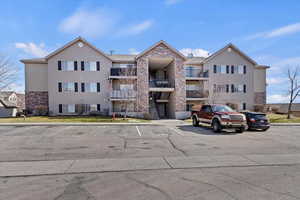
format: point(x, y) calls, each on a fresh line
point(127, 65)
point(126, 86)
point(68, 87)
point(67, 65)
point(223, 69)
point(192, 87)
point(60, 108)
point(71, 108)
point(238, 88)
point(91, 66)
point(220, 88)
point(206, 109)
point(243, 106)
point(91, 87)
point(93, 107)
point(239, 69)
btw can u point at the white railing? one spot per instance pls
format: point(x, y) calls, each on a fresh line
point(123, 94)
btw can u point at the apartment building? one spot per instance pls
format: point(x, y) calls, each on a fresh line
point(160, 82)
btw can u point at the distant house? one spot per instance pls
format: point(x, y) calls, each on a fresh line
point(282, 108)
point(11, 103)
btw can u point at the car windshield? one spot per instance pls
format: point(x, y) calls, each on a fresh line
point(222, 109)
point(260, 116)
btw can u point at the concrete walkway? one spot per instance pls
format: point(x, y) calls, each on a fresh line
point(16, 169)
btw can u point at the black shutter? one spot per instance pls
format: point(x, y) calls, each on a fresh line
point(82, 87)
point(98, 66)
point(232, 88)
point(98, 87)
point(232, 69)
point(82, 65)
point(60, 108)
point(215, 69)
point(245, 88)
point(227, 88)
point(75, 66)
point(245, 70)
point(98, 107)
point(76, 87)
point(59, 87)
point(227, 69)
point(59, 65)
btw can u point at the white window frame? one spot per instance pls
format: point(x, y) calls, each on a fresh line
point(90, 87)
point(93, 107)
point(71, 108)
point(223, 69)
point(68, 86)
point(90, 66)
point(67, 66)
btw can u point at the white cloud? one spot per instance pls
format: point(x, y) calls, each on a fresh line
point(195, 52)
point(285, 30)
point(136, 29)
point(277, 80)
point(89, 22)
point(133, 51)
point(277, 98)
point(172, 2)
point(32, 49)
point(19, 88)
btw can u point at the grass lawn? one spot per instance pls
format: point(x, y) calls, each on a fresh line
point(278, 118)
point(68, 119)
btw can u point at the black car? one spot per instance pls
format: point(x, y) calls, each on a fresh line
point(257, 121)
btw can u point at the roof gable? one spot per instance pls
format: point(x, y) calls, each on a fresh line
point(230, 45)
point(159, 43)
point(79, 39)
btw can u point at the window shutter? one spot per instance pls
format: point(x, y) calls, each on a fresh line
point(244, 106)
point(60, 108)
point(59, 87)
point(98, 66)
point(98, 87)
point(59, 65)
point(227, 69)
point(232, 69)
point(215, 69)
point(98, 107)
point(82, 65)
point(245, 70)
point(227, 88)
point(245, 88)
point(75, 66)
point(82, 87)
point(76, 87)
point(232, 88)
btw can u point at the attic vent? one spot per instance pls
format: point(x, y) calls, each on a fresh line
point(80, 44)
point(229, 49)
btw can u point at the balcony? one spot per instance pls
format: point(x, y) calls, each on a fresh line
point(192, 95)
point(122, 95)
point(196, 74)
point(161, 86)
point(118, 73)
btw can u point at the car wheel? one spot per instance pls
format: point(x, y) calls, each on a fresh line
point(216, 126)
point(265, 129)
point(195, 122)
point(240, 130)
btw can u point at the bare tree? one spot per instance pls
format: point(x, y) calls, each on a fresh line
point(7, 72)
point(294, 90)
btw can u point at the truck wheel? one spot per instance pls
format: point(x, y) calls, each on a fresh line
point(240, 130)
point(195, 122)
point(216, 126)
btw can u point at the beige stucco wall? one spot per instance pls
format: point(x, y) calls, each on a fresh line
point(36, 77)
point(231, 58)
point(76, 53)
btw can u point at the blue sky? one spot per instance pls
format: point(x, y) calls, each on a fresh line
point(266, 30)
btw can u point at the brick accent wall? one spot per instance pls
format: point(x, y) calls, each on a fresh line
point(260, 98)
point(36, 99)
point(179, 96)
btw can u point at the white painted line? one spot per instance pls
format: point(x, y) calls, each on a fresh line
point(177, 131)
point(138, 130)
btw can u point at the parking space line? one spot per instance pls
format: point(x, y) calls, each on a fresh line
point(138, 131)
point(177, 131)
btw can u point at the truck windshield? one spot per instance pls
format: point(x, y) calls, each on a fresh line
point(222, 109)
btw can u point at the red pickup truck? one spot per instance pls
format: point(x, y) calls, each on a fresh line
point(219, 117)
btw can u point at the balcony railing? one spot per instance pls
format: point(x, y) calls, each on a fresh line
point(160, 84)
point(123, 71)
point(196, 94)
point(123, 94)
point(196, 73)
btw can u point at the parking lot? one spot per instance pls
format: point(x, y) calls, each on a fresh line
point(195, 163)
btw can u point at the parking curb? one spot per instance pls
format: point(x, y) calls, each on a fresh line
point(79, 124)
point(285, 124)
